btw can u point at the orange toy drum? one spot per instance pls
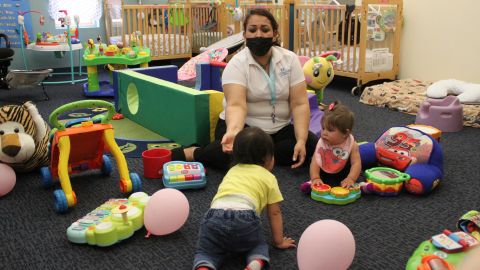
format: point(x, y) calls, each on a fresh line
point(386, 181)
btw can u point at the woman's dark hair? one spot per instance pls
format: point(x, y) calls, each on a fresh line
point(338, 116)
point(252, 146)
point(265, 13)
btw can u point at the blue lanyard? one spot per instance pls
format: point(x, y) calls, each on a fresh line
point(271, 86)
point(271, 83)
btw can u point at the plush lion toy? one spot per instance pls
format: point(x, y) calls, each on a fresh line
point(319, 73)
point(23, 137)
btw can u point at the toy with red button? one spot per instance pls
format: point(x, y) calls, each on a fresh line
point(184, 175)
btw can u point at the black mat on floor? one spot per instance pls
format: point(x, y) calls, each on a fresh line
point(386, 230)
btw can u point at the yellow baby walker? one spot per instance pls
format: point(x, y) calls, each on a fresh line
point(78, 146)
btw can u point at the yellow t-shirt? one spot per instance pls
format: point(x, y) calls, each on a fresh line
point(255, 182)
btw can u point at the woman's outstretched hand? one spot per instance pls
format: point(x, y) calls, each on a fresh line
point(299, 153)
point(227, 142)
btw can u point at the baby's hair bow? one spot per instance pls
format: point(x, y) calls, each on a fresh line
point(332, 106)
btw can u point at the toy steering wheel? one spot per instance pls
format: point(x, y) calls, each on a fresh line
point(83, 104)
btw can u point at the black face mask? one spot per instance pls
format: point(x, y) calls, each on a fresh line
point(259, 46)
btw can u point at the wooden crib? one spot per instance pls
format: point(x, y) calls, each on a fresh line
point(178, 30)
point(174, 30)
point(369, 42)
point(210, 23)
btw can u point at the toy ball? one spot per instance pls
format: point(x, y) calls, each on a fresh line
point(326, 244)
point(166, 212)
point(7, 179)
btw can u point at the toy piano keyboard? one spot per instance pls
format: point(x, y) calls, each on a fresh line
point(183, 175)
point(111, 222)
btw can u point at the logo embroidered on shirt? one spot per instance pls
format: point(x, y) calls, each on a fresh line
point(284, 71)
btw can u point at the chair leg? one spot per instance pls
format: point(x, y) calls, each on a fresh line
point(45, 93)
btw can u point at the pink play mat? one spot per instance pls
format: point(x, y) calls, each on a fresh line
point(188, 70)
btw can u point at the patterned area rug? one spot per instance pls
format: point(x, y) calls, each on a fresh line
point(407, 96)
point(134, 148)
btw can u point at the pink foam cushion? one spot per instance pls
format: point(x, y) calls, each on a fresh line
point(188, 70)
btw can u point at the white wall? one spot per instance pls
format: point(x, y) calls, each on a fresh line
point(441, 40)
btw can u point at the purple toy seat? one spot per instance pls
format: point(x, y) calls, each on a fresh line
point(315, 115)
point(445, 114)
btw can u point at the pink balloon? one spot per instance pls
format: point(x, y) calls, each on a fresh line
point(166, 211)
point(326, 244)
point(8, 179)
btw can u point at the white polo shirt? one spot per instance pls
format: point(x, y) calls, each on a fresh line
point(244, 70)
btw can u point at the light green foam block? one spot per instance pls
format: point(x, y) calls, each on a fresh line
point(129, 130)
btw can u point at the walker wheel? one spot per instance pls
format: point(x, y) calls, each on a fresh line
point(47, 179)
point(106, 166)
point(136, 182)
point(61, 205)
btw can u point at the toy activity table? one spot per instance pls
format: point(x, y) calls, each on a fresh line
point(95, 88)
point(60, 49)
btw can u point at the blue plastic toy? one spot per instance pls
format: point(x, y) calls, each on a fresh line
point(184, 175)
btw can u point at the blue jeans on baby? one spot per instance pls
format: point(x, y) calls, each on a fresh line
point(224, 231)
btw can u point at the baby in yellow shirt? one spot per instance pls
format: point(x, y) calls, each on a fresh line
point(232, 224)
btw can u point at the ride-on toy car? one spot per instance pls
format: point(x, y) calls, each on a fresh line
point(78, 146)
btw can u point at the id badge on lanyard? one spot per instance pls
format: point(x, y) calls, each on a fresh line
point(271, 86)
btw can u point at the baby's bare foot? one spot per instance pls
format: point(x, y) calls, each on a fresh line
point(189, 153)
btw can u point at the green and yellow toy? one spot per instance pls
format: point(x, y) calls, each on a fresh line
point(111, 222)
point(111, 56)
point(448, 249)
point(384, 181)
point(319, 73)
point(336, 195)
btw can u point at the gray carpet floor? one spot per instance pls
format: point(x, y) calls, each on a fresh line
point(386, 230)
